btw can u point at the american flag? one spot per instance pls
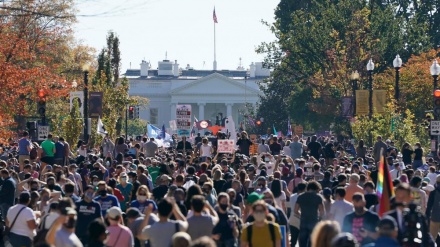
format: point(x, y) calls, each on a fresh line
point(251, 121)
point(214, 16)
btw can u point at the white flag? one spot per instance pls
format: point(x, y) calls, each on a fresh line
point(101, 129)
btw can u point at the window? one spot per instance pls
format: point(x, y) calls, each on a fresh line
point(154, 113)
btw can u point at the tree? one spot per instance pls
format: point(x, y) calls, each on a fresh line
point(415, 84)
point(72, 125)
point(321, 42)
point(32, 37)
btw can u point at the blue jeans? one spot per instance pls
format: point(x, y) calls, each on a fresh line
point(305, 230)
point(19, 240)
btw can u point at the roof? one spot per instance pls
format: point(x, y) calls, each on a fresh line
point(185, 74)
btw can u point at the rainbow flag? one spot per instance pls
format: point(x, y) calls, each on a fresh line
point(385, 188)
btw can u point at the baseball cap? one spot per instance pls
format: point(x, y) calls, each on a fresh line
point(25, 196)
point(165, 177)
point(261, 178)
point(327, 192)
point(114, 212)
point(253, 197)
point(132, 174)
point(48, 167)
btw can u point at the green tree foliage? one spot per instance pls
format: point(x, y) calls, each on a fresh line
point(72, 125)
point(321, 42)
point(136, 127)
point(390, 125)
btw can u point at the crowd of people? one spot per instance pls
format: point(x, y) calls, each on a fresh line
point(317, 192)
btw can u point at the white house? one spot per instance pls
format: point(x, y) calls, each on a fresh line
point(209, 92)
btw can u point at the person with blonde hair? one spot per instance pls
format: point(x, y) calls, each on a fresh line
point(324, 232)
point(143, 199)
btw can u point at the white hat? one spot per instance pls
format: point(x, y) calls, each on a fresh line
point(114, 212)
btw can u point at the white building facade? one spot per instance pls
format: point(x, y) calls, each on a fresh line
point(208, 92)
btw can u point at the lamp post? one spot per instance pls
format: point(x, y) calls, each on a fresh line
point(86, 100)
point(397, 63)
point(354, 79)
point(435, 71)
point(370, 68)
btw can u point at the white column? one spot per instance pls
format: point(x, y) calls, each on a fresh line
point(201, 111)
point(173, 111)
point(229, 109)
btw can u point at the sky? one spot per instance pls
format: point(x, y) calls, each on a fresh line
point(181, 29)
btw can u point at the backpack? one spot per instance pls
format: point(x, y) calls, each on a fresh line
point(271, 230)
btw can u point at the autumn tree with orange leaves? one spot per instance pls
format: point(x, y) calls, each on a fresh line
point(36, 45)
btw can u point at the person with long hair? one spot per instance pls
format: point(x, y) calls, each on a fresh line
point(324, 233)
point(298, 179)
point(418, 156)
point(192, 191)
point(407, 153)
point(218, 180)
point(361, 149)
point(279, 194)
point(143, 199)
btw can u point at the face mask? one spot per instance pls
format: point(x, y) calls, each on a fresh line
point(269, 201)
point(71, 223)
point(51, 186)
point(266, 159)
point(96, 168)
point(142, 198)
point(130, 180)
point(102, 192)
point(259, 216)
point(223, 206)
point(95, 183)
point(107, 163)
point(34, 189)
point(89, 195)
point(123, 179)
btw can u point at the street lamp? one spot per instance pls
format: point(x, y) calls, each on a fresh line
point(85, 69)
point(354, 79)
point(370, 68)
point(397, 63)
point(435, 71)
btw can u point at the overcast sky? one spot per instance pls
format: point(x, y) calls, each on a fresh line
point(184, 29)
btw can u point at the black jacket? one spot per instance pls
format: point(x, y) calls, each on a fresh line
point(7, 191)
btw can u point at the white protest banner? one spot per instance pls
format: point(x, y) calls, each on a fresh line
point(173, 125)
point(183, 120)
point(225, 146)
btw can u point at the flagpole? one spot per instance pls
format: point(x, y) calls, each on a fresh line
point(215, 52)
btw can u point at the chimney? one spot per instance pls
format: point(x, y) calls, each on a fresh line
point(144, 68)
point(176, 68)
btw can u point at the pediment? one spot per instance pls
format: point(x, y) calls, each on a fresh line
point(214, 84)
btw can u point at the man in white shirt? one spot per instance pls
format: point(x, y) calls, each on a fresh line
point(396, 172)
point(340, 207)
point(432, 175)
point(22, 222)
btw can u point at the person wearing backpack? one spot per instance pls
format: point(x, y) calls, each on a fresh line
point(261, 232)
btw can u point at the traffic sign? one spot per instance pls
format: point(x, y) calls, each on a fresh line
point(43, 132)
point(435, 128)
